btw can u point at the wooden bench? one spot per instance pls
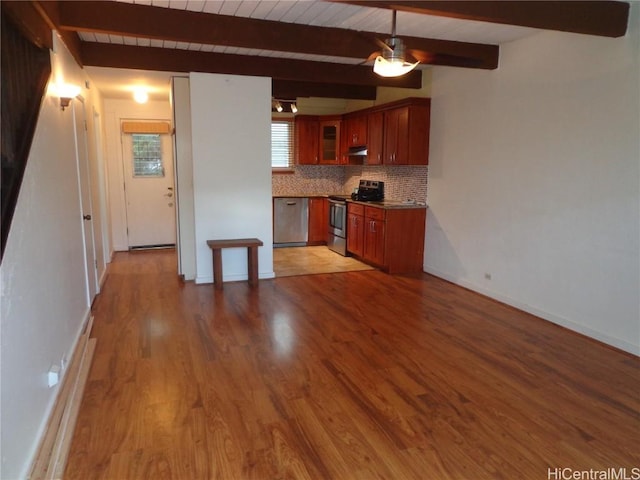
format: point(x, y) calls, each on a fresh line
point(251, 244)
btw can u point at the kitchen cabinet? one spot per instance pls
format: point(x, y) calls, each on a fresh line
point(395, 133)
point(353, 133)
point(318, 221)
point(355, 229)
point(374, 235)
point(375, 138)
point(329, 141)
point(406, 134)
point(307, 135)
point(392, 239)
point(355, 130)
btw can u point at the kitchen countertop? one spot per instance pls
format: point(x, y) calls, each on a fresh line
point(390, 204)
point(386, 204)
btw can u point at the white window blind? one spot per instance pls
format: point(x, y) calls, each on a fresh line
point(281, 143)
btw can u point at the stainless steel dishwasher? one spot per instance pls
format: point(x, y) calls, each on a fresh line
point(290, 221)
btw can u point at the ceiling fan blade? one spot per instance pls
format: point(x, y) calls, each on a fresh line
point(442, 59)
point(373, 56)
point(421, 56)
point(377, 53)
point(384, 45)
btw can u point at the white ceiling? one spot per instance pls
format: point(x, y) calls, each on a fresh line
point(119, 83)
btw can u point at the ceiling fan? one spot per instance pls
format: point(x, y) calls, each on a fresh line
point(392, 60)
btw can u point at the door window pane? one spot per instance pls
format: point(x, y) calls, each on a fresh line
point(147, 155)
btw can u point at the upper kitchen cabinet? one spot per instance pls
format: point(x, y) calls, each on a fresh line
point(329, 140)
point(406, 133)
point(353, 133)
point(375, 138)
point(395, 133)
point(354, 130)
point(307, 135)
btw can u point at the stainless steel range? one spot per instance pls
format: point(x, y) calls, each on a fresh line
point(370, 191)
point(337, 238)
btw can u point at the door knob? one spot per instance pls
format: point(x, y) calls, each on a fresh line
point(86, 217)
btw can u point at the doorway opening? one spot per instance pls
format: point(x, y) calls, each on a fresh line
point(149, 185)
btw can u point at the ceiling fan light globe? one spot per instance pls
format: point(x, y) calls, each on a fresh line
point(392, 68)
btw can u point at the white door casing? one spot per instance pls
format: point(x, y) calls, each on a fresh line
point(84, 187)
point(150, 200)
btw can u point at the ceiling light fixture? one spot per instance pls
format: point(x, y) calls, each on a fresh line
point(140, 95)
point(392, 67)
point(283, 106)
point(391, 62)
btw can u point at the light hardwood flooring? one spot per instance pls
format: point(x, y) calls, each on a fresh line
point(289, 261)
point(357, 375)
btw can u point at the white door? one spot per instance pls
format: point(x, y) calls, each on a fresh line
point(149, 189)
point(84, 186)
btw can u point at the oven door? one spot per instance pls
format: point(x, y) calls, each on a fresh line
point(338, 218)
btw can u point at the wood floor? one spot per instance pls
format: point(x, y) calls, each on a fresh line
point(289, 261)
point(357, 375)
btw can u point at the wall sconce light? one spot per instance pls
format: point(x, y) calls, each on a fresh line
point(67, 92)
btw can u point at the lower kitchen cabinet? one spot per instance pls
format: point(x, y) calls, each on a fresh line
point(318, 221)
point(392, 239)
point(355, 229)
point(374, 235)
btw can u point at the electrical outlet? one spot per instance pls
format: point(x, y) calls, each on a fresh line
point(53, 375)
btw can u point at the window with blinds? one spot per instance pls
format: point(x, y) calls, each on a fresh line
point(281, 143)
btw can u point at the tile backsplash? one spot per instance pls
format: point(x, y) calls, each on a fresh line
point(402, 182)
point(309, 180)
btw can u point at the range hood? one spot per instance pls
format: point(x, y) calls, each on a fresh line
point(358, 151)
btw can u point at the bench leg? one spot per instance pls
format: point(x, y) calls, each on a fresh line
point(252, 260)
point(217, 268)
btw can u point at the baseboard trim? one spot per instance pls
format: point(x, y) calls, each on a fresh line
point(51, 457)
point(594, 335)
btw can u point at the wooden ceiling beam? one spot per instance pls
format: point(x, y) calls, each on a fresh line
point(291, 89)
point(143, 21)
point(601, 18)
point(172, 60)
point(50, 12)
point(31, 23)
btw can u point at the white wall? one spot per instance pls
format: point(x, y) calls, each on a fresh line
point(534, 179)
point(231, 133)
point(42, 277)
point(115, 111)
